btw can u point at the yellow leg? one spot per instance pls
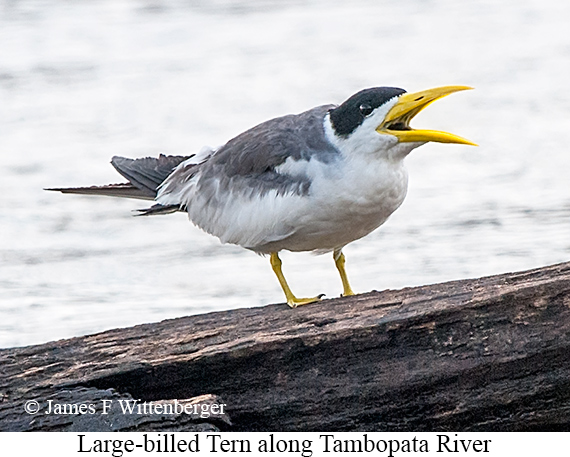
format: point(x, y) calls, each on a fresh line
point(339, 261)
point(292, 301)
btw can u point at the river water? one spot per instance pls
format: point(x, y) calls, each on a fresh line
point(83, 81)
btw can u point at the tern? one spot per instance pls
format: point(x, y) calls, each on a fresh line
point(314, 181)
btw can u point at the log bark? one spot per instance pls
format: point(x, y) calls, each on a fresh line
point(488, 354)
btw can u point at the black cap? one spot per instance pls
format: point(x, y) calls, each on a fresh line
point(348, 116)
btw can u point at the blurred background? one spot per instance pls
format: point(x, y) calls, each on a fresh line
point(83, 81)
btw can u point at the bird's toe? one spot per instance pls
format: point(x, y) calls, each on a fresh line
point(294, 301)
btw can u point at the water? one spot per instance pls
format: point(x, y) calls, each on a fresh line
point(83, 81)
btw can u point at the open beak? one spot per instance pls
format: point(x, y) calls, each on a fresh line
point(397, 121)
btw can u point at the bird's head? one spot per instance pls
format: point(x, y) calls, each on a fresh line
point(380, 118)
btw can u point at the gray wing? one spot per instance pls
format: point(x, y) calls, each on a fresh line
point(247, 163)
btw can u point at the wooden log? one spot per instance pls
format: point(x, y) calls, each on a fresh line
point(485, 354)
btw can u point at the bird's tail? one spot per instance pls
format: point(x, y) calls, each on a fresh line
point(144, 176)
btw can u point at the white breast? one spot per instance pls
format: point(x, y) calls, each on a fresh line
point(348, 200)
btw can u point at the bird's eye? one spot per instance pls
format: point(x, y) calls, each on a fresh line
point(365, 109)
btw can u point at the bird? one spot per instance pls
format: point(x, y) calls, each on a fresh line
point(314, 181)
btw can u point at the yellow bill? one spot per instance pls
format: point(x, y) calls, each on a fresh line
point(397, 121)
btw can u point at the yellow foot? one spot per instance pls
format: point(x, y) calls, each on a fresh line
point(347, 293)
point(293, 302)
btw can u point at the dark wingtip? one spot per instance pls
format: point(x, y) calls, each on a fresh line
point(158, 209)
point(124, 190)
point(63, 190)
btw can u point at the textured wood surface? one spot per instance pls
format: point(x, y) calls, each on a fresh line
point(484, 354)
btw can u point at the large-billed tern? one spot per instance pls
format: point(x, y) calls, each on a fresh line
point(314, 181)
